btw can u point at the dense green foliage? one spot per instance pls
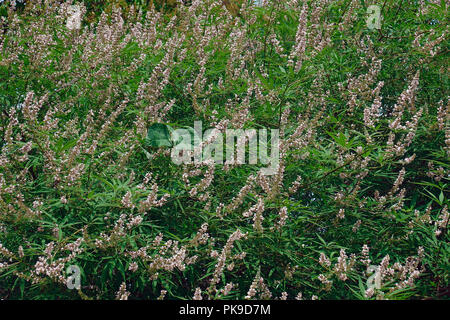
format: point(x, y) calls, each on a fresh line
point(364, 117)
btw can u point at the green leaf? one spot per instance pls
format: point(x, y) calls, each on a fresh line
point(441, 198)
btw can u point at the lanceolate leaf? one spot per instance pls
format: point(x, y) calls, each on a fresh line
point(158, 135)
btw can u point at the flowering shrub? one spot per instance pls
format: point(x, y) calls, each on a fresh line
point(357, 207)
